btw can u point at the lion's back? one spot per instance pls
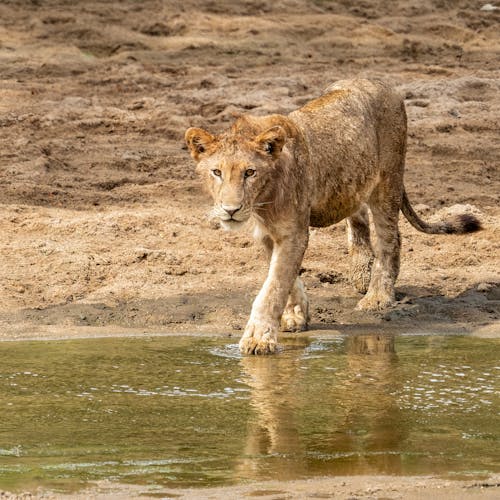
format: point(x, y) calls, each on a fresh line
point(349, 120)
point(353, 132)
point(352, 106)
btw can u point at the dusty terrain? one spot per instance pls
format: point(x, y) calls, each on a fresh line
point(104, 227)
point(103, 222)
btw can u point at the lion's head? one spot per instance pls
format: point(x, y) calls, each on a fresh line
point(240, 166)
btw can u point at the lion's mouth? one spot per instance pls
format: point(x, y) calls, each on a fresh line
point(233, 220)
point(237, 218)
point(230, 219)
point(231, 224)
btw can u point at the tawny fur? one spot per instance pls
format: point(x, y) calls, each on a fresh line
point(330, 160)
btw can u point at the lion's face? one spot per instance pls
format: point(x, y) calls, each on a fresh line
point(238, 171)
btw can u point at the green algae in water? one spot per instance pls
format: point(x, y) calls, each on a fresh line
point(179, 411)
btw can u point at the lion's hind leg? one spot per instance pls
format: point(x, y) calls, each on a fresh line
point(360, 249)
point(296, 314)
point(385, 210)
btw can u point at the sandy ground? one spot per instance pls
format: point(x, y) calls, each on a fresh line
point(341, 488)
point(348, 488)
point(104, 225)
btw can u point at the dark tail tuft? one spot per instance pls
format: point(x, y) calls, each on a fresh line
point(458, 224)
point(463, 223)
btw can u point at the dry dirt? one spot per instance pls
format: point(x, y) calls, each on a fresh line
point(104, 225)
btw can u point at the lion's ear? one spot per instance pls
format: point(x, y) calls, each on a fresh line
point(272, 140)
point(197, 141)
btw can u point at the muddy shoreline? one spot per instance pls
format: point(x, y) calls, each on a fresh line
point(348, 487)
point(56, 333)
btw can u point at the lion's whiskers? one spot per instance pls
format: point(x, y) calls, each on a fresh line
point(212, 213)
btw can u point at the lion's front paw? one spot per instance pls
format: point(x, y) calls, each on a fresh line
point(294, 318)
point(375, 301)
point(259, 338)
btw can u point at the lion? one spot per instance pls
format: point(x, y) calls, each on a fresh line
point(335, 158)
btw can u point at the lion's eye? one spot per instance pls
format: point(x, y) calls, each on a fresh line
point(216, 172)
point(249, 172)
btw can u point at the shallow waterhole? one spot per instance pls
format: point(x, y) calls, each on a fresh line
point(181, 411)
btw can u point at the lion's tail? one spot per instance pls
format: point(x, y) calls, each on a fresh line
point(458, 224)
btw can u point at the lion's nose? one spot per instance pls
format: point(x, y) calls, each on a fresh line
point(230, 209)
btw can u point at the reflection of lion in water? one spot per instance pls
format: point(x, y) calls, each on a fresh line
point(327, 161)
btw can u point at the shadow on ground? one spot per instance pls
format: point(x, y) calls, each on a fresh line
point(416, 306)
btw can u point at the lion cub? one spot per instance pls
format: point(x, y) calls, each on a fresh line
point(332, 159)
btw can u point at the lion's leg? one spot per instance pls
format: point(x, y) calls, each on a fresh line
point(261, 332)
point(360, 249)
point(385, 269)
point(296, 314)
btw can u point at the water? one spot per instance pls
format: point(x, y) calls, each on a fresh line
point(179, 411)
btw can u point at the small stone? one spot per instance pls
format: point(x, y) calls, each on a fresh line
point(484, 287)
point(488, 7)
point(421, 207)
point(214, 224)
point(329, 277)
point(419, 103)
point(136, 105)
